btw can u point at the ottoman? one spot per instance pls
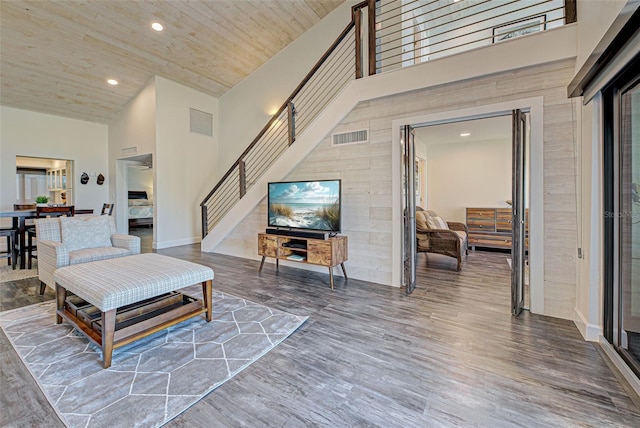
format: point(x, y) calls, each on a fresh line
point(117, 301)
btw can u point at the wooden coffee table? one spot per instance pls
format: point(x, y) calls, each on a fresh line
point(117, 301)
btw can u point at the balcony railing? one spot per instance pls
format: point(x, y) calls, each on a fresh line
point(415, 31)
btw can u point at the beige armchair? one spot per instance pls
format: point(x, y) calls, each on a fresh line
point(435, 235)
point(68, 241)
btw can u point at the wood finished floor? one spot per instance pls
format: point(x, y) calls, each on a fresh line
point(449, 355)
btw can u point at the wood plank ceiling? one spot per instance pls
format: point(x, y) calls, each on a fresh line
point(57, 55)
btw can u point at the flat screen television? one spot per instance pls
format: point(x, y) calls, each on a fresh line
point(305, 205)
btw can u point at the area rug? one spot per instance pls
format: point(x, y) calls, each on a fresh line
point(7, 274)
point(152, 380)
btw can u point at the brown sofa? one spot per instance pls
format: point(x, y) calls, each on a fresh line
point(435, 235)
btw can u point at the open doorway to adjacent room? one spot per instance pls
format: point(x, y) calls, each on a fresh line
point(48, 177)
point(464, 172)
point(136, 198)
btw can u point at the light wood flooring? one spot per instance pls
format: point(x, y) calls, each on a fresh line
point(448, 355)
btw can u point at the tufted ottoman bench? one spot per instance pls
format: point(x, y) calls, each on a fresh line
point(117, 301)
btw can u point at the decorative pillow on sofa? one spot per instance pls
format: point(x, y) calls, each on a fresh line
point(85, 232)
point(421, 221)
point(435, 221)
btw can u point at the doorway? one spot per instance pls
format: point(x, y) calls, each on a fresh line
point(48, 177)
point(462, 175)
point(135, 198)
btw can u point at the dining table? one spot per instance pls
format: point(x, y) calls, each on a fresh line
point(20, 218)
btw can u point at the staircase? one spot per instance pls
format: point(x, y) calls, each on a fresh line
point(323, 97)
point(285, 135)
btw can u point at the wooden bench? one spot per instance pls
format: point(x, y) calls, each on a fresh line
point(117, 301)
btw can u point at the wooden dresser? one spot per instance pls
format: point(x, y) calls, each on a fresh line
point(491, 227)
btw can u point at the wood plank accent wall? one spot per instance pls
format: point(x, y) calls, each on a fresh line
point(365, 170)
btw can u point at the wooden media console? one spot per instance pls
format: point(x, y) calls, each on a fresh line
point(322, 252)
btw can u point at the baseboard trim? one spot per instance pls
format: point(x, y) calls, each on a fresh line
point(177, 242)
point(590, 332)
point(625, 375)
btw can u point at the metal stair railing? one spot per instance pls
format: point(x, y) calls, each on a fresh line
point(327, 78)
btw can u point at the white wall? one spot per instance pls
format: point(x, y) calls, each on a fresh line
point(134, 126)
point(27, 133)
point(468, 174)
point(420, 147)
point(594, 19)
point(132, 132)
point(248, 106)
point(184, 163)
point(157, 122)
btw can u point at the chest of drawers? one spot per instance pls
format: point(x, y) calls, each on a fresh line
point(491, 227)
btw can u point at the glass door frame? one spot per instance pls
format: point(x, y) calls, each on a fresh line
point(409, 208)
point(614, 209)
point(518, 247)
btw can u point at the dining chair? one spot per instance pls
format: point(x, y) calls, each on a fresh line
point(107, 209)
point(29, 223)
point(20, 207)
point(12, 253)
point(60, 211)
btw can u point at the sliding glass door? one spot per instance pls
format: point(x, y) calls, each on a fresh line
point(629, 224)
point(621, 108)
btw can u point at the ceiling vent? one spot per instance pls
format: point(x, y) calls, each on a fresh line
point(201, 122)
point(350, 137)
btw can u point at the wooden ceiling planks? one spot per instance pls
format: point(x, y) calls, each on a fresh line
point(56, 55)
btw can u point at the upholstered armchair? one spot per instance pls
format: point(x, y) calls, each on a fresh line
point(435, 235)
point(65, 241)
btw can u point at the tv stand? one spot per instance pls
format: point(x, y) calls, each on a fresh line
point(322, 252)
point(299, 233)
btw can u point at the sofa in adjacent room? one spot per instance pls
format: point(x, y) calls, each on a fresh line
point(435, 235)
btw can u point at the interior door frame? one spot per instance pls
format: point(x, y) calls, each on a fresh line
point(409, 208)
point(518, 161)
point(534, 107)
point(122, 192)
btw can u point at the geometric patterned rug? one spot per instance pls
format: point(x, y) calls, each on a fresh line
point(151, 380)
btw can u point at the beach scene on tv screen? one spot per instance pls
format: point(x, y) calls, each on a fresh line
point(305, 204)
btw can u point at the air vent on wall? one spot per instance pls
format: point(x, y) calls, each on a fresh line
point(201, 122)
point(350, 137)
point(128, 151)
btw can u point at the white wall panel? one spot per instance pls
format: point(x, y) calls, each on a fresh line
point(34, 134)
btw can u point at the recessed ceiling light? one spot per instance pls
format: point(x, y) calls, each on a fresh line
point(112, 82)
point(465, 134)
point(157, 26)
